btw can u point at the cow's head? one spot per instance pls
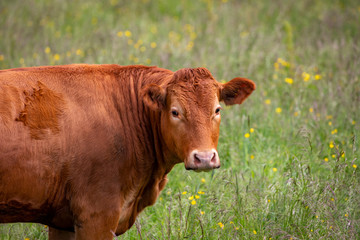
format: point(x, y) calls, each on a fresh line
point(190, 113)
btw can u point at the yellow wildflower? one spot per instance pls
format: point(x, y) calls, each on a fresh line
point(332, 199)
point(254, 232)
point(289, 80)
point(143, 49)
point(47, 50)
point(331, 145)
point(276, 66)
point(153, 45)
point(136, 45)
point(353, 122)
point(274, 169)
point(79, 52)
point(252, 130)
point(267, 101)
point(330, 123)
point(269, 200)
point(247, 135)
point(311, 110)
point(221, 225)
point(252, 156)
point(296, 114)
point(333, 156)
point(197, 196)
point(190, 45)
point(184, 192)
point(203, 180)
point(193, 202)
point(201, 192)
point(346, 215)
point(326, 159)
point(283, 62)
point(329, 117)
point(191, 198)
point(202, 212)
point(334, 131)
point(306, 76)
point(128, 33)
point(56, 57)
point(317, 216)
point(354, 166)
point(278, 110)
point(317, 77)
point(1, 57)
point(120, 34)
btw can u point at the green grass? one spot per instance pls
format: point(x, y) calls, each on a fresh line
point(275, 184)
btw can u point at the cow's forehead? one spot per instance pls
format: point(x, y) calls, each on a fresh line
point(194, 89)
point(192, 76)
point(194, 83)
point(200, 91)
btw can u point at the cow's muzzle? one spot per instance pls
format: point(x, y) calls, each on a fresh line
point(203, 160)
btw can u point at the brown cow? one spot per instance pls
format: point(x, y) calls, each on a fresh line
point(85, 148)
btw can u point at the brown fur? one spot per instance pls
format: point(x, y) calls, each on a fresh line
point(85, 148)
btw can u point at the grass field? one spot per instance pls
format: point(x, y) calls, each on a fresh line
point(290, 153)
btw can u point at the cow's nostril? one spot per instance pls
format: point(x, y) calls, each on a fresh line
point(213, 159)
point(197, 159)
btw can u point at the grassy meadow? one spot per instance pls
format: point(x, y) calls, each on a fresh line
point(289, 154)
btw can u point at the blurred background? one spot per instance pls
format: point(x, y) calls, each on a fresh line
point(290, 153)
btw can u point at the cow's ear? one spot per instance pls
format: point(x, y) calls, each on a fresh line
point(154, 96)
point(236, 91)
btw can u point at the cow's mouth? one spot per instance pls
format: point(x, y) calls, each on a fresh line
point(201, 170)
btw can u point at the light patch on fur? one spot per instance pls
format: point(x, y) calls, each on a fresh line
point(42, 111)
point(127, 206)
point(8, 100)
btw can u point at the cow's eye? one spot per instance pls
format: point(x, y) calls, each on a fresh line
point(175, 113)
point(217, 111)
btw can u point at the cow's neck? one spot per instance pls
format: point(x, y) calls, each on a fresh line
point(149, 159)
